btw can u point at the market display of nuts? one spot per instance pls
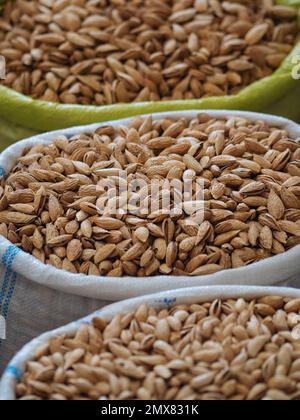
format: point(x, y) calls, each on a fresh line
point(222, 350)
point(56, 202)
point(123, 51)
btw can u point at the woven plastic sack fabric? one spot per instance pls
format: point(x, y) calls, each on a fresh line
point(278, 94)
point(15, 369)
point(31, 309)
point(36, 298)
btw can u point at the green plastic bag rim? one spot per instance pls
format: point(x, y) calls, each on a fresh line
point(39, 115)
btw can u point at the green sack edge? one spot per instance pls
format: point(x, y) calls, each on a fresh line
point(21, 115)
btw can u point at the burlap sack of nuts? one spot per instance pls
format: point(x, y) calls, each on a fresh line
point(118, 59)
point(216, 343)
point(79, 277)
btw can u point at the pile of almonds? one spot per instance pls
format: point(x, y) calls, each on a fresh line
point(123, 51)
point(54, 206)
point(222, 350)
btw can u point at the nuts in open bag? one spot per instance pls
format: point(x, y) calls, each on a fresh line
point(56, 203)
point(103, 52)
point(230, 349)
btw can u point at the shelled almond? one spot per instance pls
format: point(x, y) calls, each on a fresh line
point(106, 52)
point(56, 202)
point(231, 349)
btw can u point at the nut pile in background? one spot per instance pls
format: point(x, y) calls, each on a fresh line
point(229, 349)
point(53, 205)
point(121, 51)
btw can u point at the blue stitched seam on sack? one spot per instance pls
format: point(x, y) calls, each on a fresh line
point(5, 262)
point(10, 295)
point(14, 371)
point(9, 279)
point(2, 172)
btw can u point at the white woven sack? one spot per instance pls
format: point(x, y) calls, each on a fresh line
point(15, 369)
point(35, 298)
